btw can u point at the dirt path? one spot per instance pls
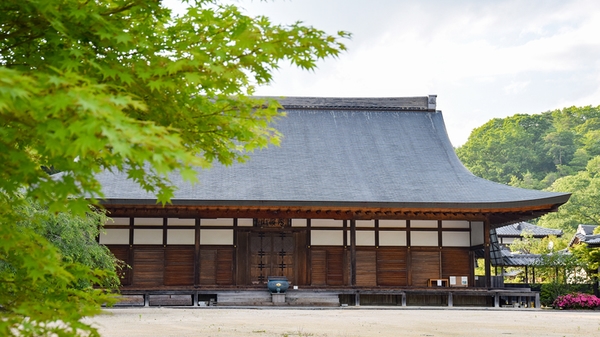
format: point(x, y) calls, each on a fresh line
point(346, 322)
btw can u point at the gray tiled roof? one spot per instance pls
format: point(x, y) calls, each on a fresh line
point(351, 152)
point(517, 229)
point(585, 234)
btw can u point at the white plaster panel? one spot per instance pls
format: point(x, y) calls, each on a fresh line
point(424, 239)
point(148, 221)
point(392, 223)
point(147, 236)
point(326, 223)
point(298, 222)
point(365, 238)
point(117, 221)
point(507, 240)
point(455, 224)
point(456, 239)
point(245, 222)
point(216, 236)
point(114, 236)
point(423, 223)
point(181, 222)
point(392, 238)
point(476, 233)
point(326, 238)
point(365, 223)
point(181, 236)
point(216, 222)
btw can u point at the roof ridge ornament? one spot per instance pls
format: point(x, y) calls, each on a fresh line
point(431, 102)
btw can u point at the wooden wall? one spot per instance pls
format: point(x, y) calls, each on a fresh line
point(252, 254)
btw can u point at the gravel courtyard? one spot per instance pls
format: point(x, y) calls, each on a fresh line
point(346, 322)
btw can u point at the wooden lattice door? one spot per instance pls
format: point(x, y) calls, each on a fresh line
point(271, 254)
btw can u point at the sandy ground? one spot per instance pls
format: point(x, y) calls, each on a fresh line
point(345, 322)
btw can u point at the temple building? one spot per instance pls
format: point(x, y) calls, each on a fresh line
point(364, 196)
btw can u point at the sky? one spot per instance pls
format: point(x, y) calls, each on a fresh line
point(483, 59)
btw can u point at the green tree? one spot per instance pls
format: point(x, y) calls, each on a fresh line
point(532, 151)
point(503, 149)
point(582, 207)
point(122, 85)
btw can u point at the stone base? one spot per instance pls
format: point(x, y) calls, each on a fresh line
point(278, 298)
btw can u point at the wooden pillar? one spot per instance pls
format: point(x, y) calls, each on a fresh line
point(526, 275)
point(197, 252)
point(486, 254)
point(353, 252)
point(450, 299)
point(403, 299)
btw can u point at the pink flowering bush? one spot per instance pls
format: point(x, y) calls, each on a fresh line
point(576, 301)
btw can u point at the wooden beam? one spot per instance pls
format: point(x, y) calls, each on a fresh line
point(487, 257)
point(353, 252)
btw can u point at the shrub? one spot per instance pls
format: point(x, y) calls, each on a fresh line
point(577, 301)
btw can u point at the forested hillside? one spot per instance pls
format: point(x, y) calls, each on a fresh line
point(556, 150)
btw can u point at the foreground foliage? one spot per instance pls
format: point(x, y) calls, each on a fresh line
point(87, 86)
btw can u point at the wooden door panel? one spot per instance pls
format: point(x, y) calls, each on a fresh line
point(224, 270)
point(391, 266)
point(318, 265)
point(425, 265)
point(179, 266)
point(455, 262)
point(122, 254)
point(148, 270)
point(366, 268)
point(335, 266)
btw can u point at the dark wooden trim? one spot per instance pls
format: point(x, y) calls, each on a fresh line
point(235, 250)
point(487, 257)
point(164, 232)
point(440, 233)
point(353, 252)
point(197, 252)
point(376, 233)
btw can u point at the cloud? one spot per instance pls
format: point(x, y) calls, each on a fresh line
point(484, 58)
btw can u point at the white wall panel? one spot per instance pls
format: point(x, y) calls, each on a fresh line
point(217, 222)
point(181, 222)
point(424, 239)
point(245, 222)
point(216, 236)
point(147, 236)
point(326, 238)
point(365, 223)
point(148, 221)
point(181, 236)
point(423, 223)
point(392, 223)
point(326, 223)
point(455, 224)
point(392, 238)
point(114, 236)
point(365, 238)
point(298, 222)
point(456, 239)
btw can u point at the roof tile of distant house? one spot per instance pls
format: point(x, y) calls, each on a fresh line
point(518, 229)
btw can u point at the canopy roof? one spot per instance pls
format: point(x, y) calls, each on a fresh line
point(348, 152)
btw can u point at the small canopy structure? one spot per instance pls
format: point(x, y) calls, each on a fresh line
point(585, 234)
